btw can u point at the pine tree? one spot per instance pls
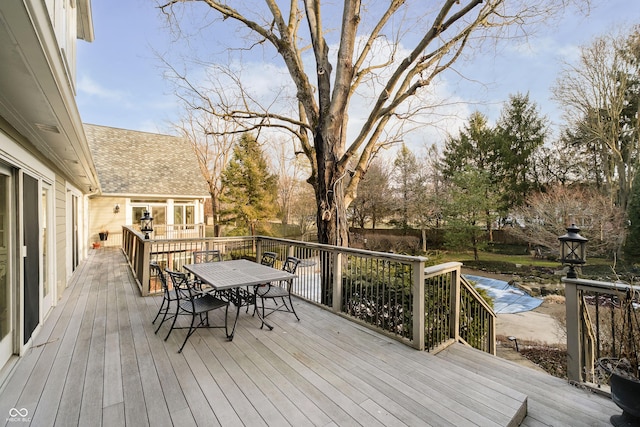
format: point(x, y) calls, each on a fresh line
point(250, 190)
point(521, 130)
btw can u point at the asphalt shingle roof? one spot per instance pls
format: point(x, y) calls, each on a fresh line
point(132, 162)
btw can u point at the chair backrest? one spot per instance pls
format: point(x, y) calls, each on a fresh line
point(268, 258)
point(212, 255)
point(181, 285)
point(291, 264)
point(155, 269)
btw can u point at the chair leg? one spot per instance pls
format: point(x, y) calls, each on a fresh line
point(192, 329)
point(160, 310)
point(293, 310)
point(255, 300)
point(262, 319)
point(250, 299)
point(173, 324)
point(164, 317)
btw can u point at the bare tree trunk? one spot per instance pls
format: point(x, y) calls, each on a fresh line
point(215, 209)
point(424, 239)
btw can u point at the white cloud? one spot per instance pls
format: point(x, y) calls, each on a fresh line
point(90, 87)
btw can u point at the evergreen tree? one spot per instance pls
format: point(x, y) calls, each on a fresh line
point(521, 131)
point(465, 210)
point(250, 190)
point(476, 148)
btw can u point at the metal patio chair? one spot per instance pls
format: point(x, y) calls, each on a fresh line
point(280, 290)
point(167, 296)
point(212, 255)
point(194, 303)
point(249, 296)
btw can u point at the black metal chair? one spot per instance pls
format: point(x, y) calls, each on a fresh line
point(278, 290)
point(167, 296)
point(268, 258)
point(212, 255)
point(194, 303)
point(249, 297)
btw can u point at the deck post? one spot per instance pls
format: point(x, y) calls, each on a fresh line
point(417, 283)
point(574, 353)
point(337, 282)
point(454, 302)
point(145, 275)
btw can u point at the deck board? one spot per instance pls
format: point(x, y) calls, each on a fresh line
point(97, 358)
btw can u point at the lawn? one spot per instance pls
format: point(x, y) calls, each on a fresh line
point(595, 268)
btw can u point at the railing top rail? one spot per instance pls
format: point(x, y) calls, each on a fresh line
point(186, 239)
point(471, 289)
point(447, 267)
point(598, 286)
point(139, 234)
point(343, 249)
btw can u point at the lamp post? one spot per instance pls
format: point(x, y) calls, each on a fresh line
point(146, 224)
point(572, 250)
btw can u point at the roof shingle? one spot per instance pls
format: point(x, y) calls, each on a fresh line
point(140, 163)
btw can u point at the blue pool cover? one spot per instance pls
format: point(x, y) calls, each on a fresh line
point(506, 298)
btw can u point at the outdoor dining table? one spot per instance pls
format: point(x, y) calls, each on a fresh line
point(232, 277)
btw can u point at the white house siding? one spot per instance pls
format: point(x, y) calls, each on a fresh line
point(42, 147)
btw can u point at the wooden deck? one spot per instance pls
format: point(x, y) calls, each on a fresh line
point(96, 361)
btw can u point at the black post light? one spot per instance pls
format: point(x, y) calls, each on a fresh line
point(146, 224)
point(573, 250)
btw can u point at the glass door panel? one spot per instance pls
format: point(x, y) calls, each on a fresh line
point(6, 297)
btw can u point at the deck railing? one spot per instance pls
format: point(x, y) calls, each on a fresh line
point(162, 231)
point(426, 308)
point(602, 321)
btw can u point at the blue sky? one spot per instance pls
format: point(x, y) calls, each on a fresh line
point(120, 82)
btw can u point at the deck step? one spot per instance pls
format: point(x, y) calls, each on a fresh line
point(551, 400)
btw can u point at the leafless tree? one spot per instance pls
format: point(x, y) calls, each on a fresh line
point(429, 200)
point(290, 171)
point(373, 203)
point(547, 214)
point(375, 60)
point(213, 151)
point(596, 93)
point(303, 211)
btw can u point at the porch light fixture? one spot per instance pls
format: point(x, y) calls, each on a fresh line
point(146, 224)
point(116, 208)
point(573, 250)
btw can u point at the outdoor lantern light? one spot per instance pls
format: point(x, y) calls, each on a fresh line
point(146, 224)
point(573, 250)
point(116, 208)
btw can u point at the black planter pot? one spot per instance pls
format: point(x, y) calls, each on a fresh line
point(625, 392)
point(103, 236)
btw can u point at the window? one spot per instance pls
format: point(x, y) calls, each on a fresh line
point(184, 214)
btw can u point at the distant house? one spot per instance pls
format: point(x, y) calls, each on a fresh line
point(138, 172)
point(46, 169)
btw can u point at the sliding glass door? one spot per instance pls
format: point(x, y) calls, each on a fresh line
point(6, 295)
